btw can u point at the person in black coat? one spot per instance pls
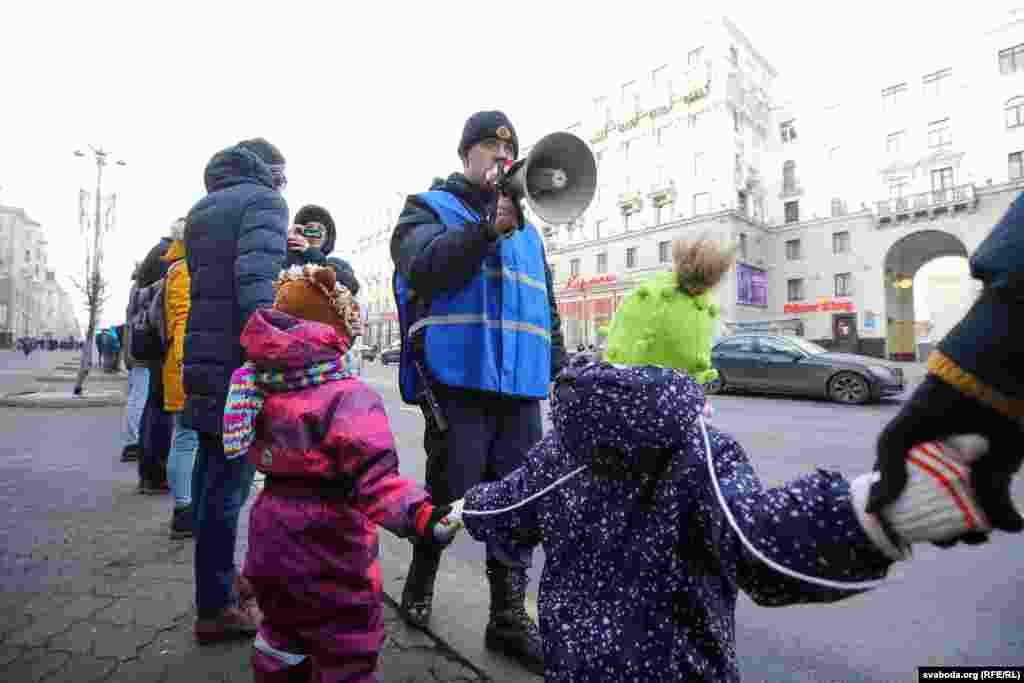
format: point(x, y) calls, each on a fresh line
point(156, 426)
point(311, 237)
point(975, 384)
point(235, 244)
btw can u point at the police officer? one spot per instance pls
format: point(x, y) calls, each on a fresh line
point(481, 341)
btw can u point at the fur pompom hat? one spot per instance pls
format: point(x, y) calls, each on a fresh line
point(312, 292)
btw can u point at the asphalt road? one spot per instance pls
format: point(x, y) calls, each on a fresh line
point(957, 607)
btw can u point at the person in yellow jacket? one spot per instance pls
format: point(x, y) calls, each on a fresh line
point(185, 440)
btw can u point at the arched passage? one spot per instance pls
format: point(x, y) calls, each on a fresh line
point(904, 334)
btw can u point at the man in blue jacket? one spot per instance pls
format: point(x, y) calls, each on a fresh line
point(235, 244)
point(481, 342)
point(975, 384)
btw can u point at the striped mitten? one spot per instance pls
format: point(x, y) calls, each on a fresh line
point(937, 504)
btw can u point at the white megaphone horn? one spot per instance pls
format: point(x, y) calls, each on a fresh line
point(558, 178)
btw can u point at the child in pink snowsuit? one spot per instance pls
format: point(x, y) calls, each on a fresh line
point(322, 438)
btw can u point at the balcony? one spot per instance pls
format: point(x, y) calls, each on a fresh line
point(630, 202)
point(662, 194)
point(926, 204)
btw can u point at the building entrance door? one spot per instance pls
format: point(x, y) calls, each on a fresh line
point(844, 332)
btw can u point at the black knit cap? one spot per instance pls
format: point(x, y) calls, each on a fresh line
point(268, 153)
point(488, 124)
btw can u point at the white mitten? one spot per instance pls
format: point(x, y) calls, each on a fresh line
point(938, 502)
point(450, 524)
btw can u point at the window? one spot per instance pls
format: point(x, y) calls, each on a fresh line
point(833, 155)
point(787, 130)
point(693, 119)
point(1015, 112)
point(741, 345)
point(1011, 59)
point(838, 207)
point(794, 290)
point(28, 255)
point(844, 284)
point(693, 58)
point(629, 97)
point(893, 97)
point(792, 250)
point(663, 251)
point(792, 211)
point(789, 177)
point(936, 84)
point(735, 121)
point(894, 142)
point(574, 267)
point(840, 242)
point(701, 203)
point(942, 178)
point(898, 187)
point(1016, 165)
point(743, 245)
point(631, 257)
point(598, 225)
point(939, 135)
point(698, 163)
point(602, 262)
point(775, 347)
point(734, 55)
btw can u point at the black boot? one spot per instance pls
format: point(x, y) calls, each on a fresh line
point(182, 523)
point(418, 594)
point(510, 630)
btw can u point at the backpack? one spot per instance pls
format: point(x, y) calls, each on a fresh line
point(147, 329)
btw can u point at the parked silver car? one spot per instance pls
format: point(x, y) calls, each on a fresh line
point(781, 364)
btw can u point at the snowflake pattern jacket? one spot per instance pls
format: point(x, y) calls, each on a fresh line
point(643, 568)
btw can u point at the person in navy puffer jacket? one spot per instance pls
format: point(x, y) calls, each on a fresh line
point(235, 245)
point(643, 566)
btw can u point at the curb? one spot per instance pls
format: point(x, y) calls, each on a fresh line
point(93, 377)
point(37, 399)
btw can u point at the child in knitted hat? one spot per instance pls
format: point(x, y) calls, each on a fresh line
point(323, 441)
point(646, 550)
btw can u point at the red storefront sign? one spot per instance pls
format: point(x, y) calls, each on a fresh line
point(587, 310)
point(820, 307)
point(580, 282)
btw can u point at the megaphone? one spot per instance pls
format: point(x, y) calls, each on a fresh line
point(558, 178)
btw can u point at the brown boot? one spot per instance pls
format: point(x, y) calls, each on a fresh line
point(233, 623)
point(418, 594)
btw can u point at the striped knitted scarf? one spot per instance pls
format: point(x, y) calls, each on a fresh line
point(247, 393)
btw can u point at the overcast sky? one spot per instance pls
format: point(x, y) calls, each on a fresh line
point(365, 99)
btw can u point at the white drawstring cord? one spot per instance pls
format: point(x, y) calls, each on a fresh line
point(827, 583)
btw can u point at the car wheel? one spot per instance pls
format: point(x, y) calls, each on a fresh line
point(850, 388)
point(715, 386)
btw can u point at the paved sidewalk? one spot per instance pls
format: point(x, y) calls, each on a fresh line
point(108, 597)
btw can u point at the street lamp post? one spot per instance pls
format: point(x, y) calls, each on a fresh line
point(93, 281)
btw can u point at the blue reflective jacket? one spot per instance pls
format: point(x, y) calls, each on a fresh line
point(493, 334)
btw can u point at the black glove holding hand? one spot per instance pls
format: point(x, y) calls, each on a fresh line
point(935, 411)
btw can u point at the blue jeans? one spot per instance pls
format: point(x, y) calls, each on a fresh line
point(184, 443)
point(138, 390)
point(219, 490)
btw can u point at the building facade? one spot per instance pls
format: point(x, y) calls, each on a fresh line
point(375, 270)
point(32, 303)
point(833, 209)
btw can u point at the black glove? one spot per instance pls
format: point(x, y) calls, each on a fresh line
point(937, 410)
